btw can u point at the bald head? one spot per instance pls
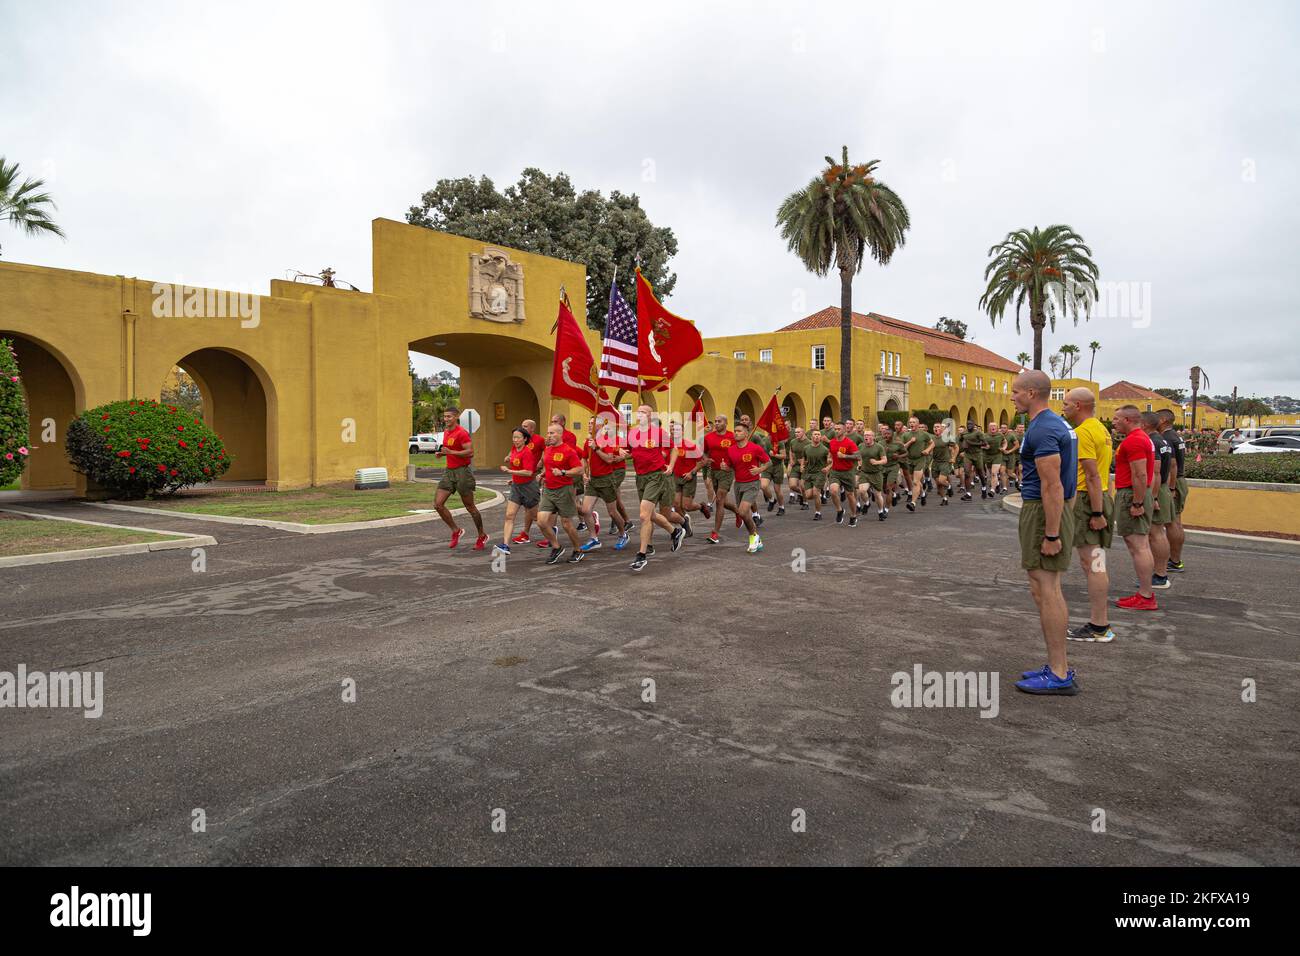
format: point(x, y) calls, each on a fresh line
point(1079, 405)
point(1082, 396)
point(1029, 391)
point(1034, 380)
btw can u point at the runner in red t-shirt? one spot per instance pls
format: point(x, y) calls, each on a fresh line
point(1135, 463)
point(521, 465)
point(748, 462)
point(458, 477)
point(716, 444)
point(579, 486)
point(844, 466)
point(654, 484)
point(601, 453)
point(537, 443)
point(561, 464)
point(685, 467)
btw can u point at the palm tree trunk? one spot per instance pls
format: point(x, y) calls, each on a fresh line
point(1037, 319)
point(846, 342)
point(1091, 362)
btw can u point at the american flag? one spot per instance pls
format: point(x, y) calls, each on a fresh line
point(618, 357)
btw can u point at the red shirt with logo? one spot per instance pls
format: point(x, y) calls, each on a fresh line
point(745, 460)
point(685, 459)
point(536, 443)
point(849, 447)
point(647, 447)
point(563, 457)
point(569, 439)
point(522, 459)
point(715, 446)
point(452, 442)
point(1135, 446)
point(599, 466)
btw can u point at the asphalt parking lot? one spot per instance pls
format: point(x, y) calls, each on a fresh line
point(502, 717)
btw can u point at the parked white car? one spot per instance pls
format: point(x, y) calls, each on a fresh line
point(427, 442)
point(1272, 443)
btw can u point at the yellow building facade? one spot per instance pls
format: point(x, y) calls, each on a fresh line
point(307, 384)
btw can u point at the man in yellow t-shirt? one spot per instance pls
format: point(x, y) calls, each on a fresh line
point(1093, 510)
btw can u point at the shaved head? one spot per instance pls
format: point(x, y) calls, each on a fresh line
point(1082, 396)
point(1034, 380)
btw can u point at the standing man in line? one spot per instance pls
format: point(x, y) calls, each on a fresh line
point(458, 477)
point(1134, 469)
point(1046, 525)
point(653, 484)
point(748, 461)
point(1162, 512)
point(1093, 512)
point(816, 461)
point(1178, 488)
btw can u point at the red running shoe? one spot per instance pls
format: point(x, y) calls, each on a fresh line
point(481, 542)
point(1136, 602)
point(543, 543)
point(455, 537)
point(520, 538)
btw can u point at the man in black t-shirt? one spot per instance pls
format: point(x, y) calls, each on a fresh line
point(1178, 488)
point(1162, 501)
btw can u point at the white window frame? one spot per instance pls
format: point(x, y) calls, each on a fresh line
point(738, 354)
point(963, 379)
point(947, 379)
point(823, 356)
point(765, 355)
point(882, 362)
point(929, 377)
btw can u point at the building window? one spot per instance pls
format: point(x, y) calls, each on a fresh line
point(898, 364)
point(947, 379)
point(765, 355)
point(819, 356)
point(1057, 394)
point(979, 382)
point(625, 412)
point(1004, 387)
point(993, 385)
point(882, 362)
point(963, 379)
point(929, 377)
point(738, 355)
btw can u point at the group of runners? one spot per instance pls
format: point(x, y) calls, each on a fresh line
point(1073, 503)
point(556, 482)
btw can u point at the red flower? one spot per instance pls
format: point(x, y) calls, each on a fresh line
point(180, 428)
point(131, 470)
point(207, 470)
point(175, 472)
point(171, 408)
point(104, 417)
point(162, 467)
point(105, 429)
point(183, 445)
point(125, 454)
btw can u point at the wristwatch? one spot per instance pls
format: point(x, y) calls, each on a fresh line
point(1051, 537)
point(1098, 514)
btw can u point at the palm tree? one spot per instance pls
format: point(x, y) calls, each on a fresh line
point(833, 222)
point(1054, 362)
point(1095, 346)
point(22, 204)
point(1069, 355)
point(1037, 267)
point(1023, 358)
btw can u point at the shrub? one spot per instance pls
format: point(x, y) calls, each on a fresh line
point(1283, 468)
point(13, 417)
point(140, 447)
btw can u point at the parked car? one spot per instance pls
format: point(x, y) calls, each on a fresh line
point(426, 442)
point(1272, 431)
point(1274, 443)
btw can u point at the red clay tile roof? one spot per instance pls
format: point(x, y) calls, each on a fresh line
point(940, 344)
point(1123, 389)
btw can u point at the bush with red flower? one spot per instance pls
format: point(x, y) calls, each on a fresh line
point(140, 447)
point(13, 416)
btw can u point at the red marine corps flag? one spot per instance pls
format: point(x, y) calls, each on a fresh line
point(700, 417)
point(574, 375)
point(773, 422)
point(665, 342)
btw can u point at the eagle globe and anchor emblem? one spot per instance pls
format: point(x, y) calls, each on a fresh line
point(496, 286)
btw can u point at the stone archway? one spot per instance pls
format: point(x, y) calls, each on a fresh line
point(55, 396)
point(972, 416)
point(829, 406)
point(1002, 418)
point(796, 409)
point(988, 418)
point(748, 403)
point(955, 414)
point(239, 405)
point(891, 406)
point(518, 402)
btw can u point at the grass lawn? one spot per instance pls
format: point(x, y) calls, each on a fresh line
point(12, 486)
point(426, 460)
point(22, 534)
point(328, 504)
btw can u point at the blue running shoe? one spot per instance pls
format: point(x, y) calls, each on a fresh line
point(591, 544)
point(621, 543)
point(503, 548)
point(1158, 582)
point(1042, 670)
point(1045, 682)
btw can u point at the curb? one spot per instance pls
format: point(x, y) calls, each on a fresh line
point(1218, 539)
point(181, 540)
point(295, 527)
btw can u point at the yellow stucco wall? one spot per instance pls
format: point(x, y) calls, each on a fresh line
point(1243, 509)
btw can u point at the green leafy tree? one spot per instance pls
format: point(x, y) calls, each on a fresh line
point(547, 215)
point(23, 204)
point(1178, 395)
point(951, 326)
point(13, 417)
point(833, 222)
point(1023, 358)
point(1049, 270)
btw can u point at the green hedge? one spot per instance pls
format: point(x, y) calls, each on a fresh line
point(140, 447)
point(13, 417)
point(927, 417)
point(1283, 467)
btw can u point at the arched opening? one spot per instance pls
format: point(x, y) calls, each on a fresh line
point(510, 401)
point(988, 418)
point(1002, 418)
point(829, 406)
point(794, 409)
point(748, 403)
point(934, 407)
point(891, 406)
point(54, 397)
point(972, 416)
point(688, 404)
point(238, 403)
point(955, 414)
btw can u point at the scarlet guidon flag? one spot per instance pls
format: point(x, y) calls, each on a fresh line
point(665, 342)
point(773, 422)
point(699, 416)
point(574, 374)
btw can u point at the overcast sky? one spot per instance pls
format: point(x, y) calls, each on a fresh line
point(223, 144)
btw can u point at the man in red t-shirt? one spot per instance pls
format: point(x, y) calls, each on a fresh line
point(561, 463)
point(537, 443)
point(748, 462)
point(579, 489)
point(716, 444)
point(844, 464)
point(685, 468)
point(602, 454)
point(458, 477)
point(1134, 470)
point(653, 484)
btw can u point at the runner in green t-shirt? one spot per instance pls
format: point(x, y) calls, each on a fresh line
point(917, 440)
point(971, 443)
point(816, 460)
point(871, 475)
point(794, 451)
point(942, 461)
